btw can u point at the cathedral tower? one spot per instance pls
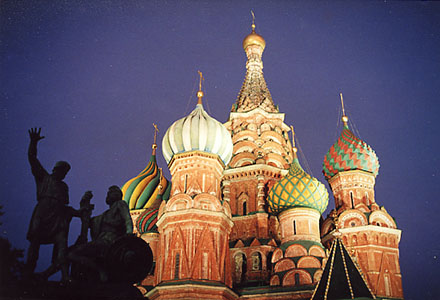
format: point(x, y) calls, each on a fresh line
point(299, 200)
point(368, 231)
point(261, 155)
point(195, 223)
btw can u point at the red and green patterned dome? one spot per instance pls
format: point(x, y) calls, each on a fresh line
point(146, 222)
point(349, 153)
point(141, 191)
point(298, 189)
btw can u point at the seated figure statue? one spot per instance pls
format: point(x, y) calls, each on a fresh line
point(105, 229)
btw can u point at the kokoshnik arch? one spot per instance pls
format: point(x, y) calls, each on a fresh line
point(241, 219)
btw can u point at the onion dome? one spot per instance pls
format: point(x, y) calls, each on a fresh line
point(349, 153)
point(146, 222)
point(297, 189)
point(142, 191)
point(197, 131)
point(254, 39)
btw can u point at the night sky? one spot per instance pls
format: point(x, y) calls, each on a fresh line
point(95, 75)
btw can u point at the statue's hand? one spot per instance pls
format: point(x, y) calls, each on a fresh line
point(35, 134)
point(87, 196)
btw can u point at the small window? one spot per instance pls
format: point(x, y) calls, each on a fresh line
point(177, 266)
point(352, 200)
point(244, 208)
point(294, 227)
point(297, 279)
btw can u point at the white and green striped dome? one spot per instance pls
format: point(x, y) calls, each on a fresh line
point(197, 131)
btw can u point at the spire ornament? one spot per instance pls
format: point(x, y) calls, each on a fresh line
point(154, 146)
point(200, 92)
point(294, 149)
point(253, 21)
point(344, 117)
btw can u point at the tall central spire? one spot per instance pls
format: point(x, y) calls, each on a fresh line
point(254, 92)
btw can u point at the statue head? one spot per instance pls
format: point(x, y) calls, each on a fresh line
point(114, 194)
point(60, 169)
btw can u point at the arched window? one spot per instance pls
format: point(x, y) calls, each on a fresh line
point(256, 261)
point(269, 261)
point(242, 204)
point(240, 267)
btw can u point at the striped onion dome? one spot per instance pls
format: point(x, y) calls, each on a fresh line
point(141, 191)
point(297, 189)
point(349, 153)
point(146, 222)
point(197, 131)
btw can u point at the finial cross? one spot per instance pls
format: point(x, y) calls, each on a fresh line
point(201, 79)
point(342, 103)
point(293, 136)
point(253, 20)
point(156, 130)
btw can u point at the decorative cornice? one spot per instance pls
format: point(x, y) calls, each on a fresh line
point(255, 170)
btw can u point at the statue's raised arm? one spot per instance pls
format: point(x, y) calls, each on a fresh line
point(37, 169)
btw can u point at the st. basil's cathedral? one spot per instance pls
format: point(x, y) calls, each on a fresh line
point(241, 219)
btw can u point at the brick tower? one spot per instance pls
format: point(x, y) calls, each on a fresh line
point(261, 155)
point(368, 231)
point(299, 200)
point(194, 224)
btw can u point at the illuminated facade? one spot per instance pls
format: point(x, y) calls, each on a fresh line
point(241, 219)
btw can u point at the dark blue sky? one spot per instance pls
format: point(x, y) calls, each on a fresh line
point(96, 74)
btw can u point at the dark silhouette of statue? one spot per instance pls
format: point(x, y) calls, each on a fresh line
point(50, 218)
point(84, 213)
point(114, 253)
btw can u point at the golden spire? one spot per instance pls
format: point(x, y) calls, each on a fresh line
point(200, 93)
point(154, 146)
point(295, 150)
point(344, 117)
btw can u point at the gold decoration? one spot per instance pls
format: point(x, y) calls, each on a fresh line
point(200, 93)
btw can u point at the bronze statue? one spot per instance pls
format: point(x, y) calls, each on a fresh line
point(105, 229)
point(84, 213)
point(50, 218)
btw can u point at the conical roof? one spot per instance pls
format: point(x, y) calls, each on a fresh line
point(298, 189)
point(341, 278)
point(349, 153)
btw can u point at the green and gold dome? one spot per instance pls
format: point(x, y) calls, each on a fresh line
point(297, 189)
point(141, 191)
